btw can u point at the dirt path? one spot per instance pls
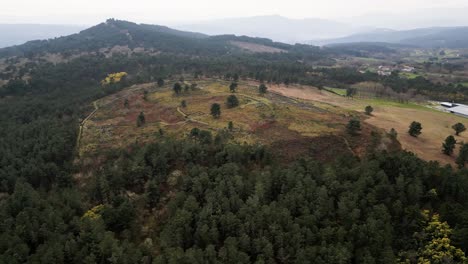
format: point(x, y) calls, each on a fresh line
point(80, 131)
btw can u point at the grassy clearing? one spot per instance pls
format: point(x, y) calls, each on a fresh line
point(285, 114)
point(389, 114)
point(338, 91)
point(258, 119)
point(410, 75)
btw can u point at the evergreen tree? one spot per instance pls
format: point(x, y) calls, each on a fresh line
point(177, 88)
point(354, 126)
point(215, 110)
point(415, 129)
point(462, 156)
point(160, 82)
point(233, 87)
point(153, 194)
point(369, 110)
point(126, 103)
point(230, 125)
point(183, 104)
point(141, 119)
point(232, 101)
point(393, 133)
point(350, 91)
point(449, 145)
point(262, 89)
point(459, 128)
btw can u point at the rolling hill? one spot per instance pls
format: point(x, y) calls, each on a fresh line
point(445, 37)
point(152, 38)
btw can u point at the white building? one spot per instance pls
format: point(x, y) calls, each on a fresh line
point(458, 109)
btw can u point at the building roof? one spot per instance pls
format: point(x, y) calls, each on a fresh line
point(460, 109)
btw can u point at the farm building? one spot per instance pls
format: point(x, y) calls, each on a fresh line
point(459, 109)
point(448, 105)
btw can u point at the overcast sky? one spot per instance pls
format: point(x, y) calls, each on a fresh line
point(87, 12)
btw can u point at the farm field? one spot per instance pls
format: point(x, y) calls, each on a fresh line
point(291, 125)
point(387, 114)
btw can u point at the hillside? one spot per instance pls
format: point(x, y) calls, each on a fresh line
point(133, 143)
point(146, 38)
point(115, 33)
point(444, 37)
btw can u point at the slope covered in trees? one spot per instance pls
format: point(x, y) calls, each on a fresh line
point(199, 200)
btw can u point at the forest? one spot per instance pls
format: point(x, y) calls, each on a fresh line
point(204, 199)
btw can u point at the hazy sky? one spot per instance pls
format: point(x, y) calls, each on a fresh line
point(153, 11)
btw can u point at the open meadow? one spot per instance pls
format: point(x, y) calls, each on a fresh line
point(436, 125)
point(291, 125)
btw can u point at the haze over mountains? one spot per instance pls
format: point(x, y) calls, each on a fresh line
point(15, 34)
point(434, 27)
point(444, 37)
point(276, 27)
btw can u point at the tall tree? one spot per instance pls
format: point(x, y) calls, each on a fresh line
point(436, 246)
point(350, 91)
point(160, 82)
point(233, 87)
point(462, 156)
point(215, 110)
point(354, 126)
point(393, 133)
point(141, 119)
point(153, 194)
point(415, 129)
point(369, 109)
point(459, 128)
point(449, 145)
point(177, 88)
point(232, 101)
point(262, 89)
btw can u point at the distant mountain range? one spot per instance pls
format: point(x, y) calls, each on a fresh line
point(281, 29)
point(276, 27)
point(15, 34)
point(412, 19)
point(444, 37)
point(128, 36)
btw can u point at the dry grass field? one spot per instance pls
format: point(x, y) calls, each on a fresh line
point(293, 126)
point(436, 125)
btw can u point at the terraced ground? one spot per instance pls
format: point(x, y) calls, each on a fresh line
point(291, 126)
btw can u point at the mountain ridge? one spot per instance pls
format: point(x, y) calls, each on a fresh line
point(432, 37)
